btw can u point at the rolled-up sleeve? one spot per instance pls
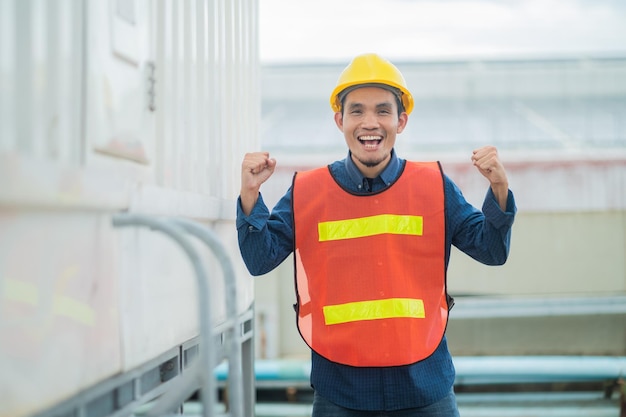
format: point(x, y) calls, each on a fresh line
point(484, 235)
point(265, 239)
point(494, 214)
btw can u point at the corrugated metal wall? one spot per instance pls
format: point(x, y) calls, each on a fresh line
point(41, 89)
point(178, 93)
point(144, 106)
point(201, 63)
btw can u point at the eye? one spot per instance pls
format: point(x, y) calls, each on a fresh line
point(384, 110)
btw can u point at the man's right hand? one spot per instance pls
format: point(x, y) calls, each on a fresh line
point(256, 168)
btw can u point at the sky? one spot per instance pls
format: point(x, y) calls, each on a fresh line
point(337, 30)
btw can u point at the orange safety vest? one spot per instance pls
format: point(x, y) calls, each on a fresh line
point(370, 269)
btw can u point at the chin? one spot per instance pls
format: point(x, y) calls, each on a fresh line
point(372, 163)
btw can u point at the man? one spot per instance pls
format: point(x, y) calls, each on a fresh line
point(371, 237)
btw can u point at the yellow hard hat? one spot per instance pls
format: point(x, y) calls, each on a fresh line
point(371, 69)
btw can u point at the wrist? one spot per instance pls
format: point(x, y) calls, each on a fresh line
point(248, 200)
point(501, 194)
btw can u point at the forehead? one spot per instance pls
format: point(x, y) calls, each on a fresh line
point(370, 95)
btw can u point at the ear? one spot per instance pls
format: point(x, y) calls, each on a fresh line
point(339, 120)
point(403, 119)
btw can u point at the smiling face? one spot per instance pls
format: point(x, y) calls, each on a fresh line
point(369, 121)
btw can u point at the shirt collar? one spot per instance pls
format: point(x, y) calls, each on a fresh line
point(389, 174)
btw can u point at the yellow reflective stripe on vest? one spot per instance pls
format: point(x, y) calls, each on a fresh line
point(369, 226)
point(373, 310)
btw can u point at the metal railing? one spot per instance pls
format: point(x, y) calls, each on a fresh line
point(201, 376)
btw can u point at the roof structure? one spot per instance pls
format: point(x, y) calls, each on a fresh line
point(543, 105)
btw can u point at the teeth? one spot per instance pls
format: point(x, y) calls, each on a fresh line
point(370, 138)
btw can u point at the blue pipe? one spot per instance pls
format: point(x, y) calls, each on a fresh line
point(475, 370)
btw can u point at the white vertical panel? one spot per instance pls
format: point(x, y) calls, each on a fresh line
point(67, 112)
point(255, 73)
point(194, 100)
point(51, 91)
point(198, 176)
point(187, 159)
point(167, 107)
point(201, 176)
point(177, 138)
point(207, 63)
point(215, 134)
point(42, 78)
point(7, 75)
point(239, 95)
point(209, 96)
point(159, 40)
point(171, 107)
point(219, 84)
point(24, 98)
point(174, 94)
point(42, 71)
point(250, 94)
point(227, 99)
point(234, 98)
point(54, 85)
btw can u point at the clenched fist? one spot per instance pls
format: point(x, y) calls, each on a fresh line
point(256, 168)
point(487, 161)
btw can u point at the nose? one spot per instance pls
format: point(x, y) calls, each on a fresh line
point(370, 120)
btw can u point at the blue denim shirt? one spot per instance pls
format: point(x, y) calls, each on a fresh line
point(265, 240)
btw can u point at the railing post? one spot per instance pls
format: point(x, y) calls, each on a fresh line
point(207, 380)
point(235, 379)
